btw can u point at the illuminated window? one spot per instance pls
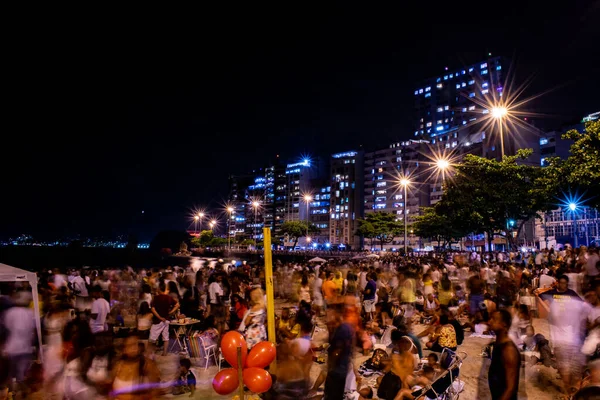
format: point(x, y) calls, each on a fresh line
point(498, 68)
point(427, 94)
point(440, 85)
point(432, 141)
point(447, 145)
point(446, 120)
point(380, 184)
point(451, 76)
point(543, 141)
point(484, 91)
point(439, 121)
point(482, 66)
point(420, 91)
point(485, 111)
point(428, 124)
point(484, 72)
point(472, 94)
point(483, 135)
point(484, 85)
point(446, 77)
point(464, 122)
point(464, 72)
point(471, 82)
point(458, 85)
point(439, 128)
point(446, 108)
point(416, 92)
point(471, 108)
point(454, 144)
point(428, 88)
point(464, 84)
point(438, 79)
point(464, 109)
point(470, 69)
point(440, 109)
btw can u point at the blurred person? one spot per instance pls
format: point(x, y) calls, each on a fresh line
point(318, 301)
point(80, 289)
point(144, 321)
point(503, 375)
point(99, 312)
point(304, 289)
point(590, 389)
point(239, 309)
point(19, 325)
point(162, 307)
point(339, 354)
point(215, 295)
point(329, 289)
point(475, 286)
point(444, 336)
point(369, 295)
point(145, 294)
point(253, 323)
point(135, 376)
point(567, 313)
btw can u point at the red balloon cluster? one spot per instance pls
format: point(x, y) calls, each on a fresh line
point(255, 377)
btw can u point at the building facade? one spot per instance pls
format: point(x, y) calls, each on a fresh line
point(346, 198)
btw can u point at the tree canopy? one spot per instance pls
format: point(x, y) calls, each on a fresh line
point(485, 194)
point(380, 225)
point(440, 225)
point(297, 229)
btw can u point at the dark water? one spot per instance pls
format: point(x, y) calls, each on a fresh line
point(38, 258)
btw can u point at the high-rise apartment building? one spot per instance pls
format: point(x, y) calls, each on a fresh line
point(319, 211)
point(347, 198)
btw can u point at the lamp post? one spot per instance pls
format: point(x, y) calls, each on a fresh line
point(196, 218)
point(200, 216)
point(230, 211)
point(405, 182)
point(573, 208)
point(307, 199)
point(255, 205)
point(498, 113)
point(212, 224)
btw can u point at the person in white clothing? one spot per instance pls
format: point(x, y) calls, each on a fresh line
point(19, 323)
point(100, 310)
point(547, 280)
point(80, 289)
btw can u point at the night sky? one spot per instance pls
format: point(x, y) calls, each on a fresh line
point(106, 119)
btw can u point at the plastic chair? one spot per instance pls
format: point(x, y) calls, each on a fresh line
point(209, 351)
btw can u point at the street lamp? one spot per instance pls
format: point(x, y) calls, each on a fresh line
point(307, 199)
point(498, 113)
point(255, 205)
point(196, 218)
point(211, 224)
point(200, 216)
point(405, 182)
point(573, 208)
point(230, 211)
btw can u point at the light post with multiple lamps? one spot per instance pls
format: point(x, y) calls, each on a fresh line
point(230, 210)
point(255, 204)
point(405, 182)
point(307, 199)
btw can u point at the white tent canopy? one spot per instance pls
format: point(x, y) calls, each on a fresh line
point(317, 259)
point(12, 274)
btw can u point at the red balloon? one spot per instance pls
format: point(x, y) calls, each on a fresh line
point(229, 345)
point(261, 355)
point(257, 380)
point(226, 381)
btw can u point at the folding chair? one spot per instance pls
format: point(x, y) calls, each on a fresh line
point(209, 351)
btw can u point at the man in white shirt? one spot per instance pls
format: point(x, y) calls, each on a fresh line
point(215, 291)
point(81, 292)
point(547, 280)
point(100, 310)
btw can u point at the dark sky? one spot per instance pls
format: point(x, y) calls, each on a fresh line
point(105, 118)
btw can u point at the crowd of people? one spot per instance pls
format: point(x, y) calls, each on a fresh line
point(106, 332)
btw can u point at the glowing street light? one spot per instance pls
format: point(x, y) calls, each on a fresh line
point(199, 218)
point(230, 210)
point(499, 113)
point(572, 206)
point(405, 182)
point(255, 204)
point(307, 199)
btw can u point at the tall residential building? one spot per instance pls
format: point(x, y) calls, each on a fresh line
point(452, 111)
point(383, 170)
point(319, 211)
point(347, 198)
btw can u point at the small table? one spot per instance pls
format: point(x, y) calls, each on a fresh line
point(182, 329)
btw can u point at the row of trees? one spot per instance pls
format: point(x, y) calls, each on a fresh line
point(497, 197)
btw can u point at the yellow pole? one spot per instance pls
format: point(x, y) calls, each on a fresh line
point(270, 295)
point(240, 374)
